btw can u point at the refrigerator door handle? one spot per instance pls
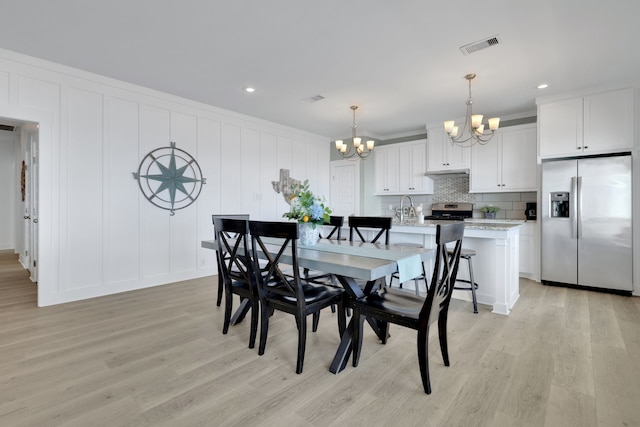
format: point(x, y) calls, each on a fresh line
point(573, 207)
point(579, 207)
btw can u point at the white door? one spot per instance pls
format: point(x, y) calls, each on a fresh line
point(25, 175)
point(33, 137)
point(345, 188)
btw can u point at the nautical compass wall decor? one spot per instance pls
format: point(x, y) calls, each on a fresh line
point(170, 178)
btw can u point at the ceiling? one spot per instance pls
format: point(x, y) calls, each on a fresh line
point(399, 61)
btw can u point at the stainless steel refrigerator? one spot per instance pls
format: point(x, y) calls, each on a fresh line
point(586, 222)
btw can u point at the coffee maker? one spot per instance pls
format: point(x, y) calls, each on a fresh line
point(531, 210)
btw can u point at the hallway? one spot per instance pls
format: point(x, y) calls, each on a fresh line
point(16, 290)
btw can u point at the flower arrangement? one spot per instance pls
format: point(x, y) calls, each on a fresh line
point(307, 208)
point(489, 209)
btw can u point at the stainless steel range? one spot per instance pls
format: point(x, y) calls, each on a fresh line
point(452, 211)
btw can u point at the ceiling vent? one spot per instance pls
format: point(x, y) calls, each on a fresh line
point(480, 44)
point(7, 128)
point(314, 98)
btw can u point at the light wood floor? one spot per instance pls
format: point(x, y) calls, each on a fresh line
point(157, 357)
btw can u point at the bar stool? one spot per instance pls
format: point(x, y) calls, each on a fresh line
point(467, 254)
point(423, 276)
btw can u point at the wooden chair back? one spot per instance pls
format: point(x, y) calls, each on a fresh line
point(220, 261)
point(270, 275)
point(233, 249)
point(336, 222)
point(381, 223)
point(445, 271)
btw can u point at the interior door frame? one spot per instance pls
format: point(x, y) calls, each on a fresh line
point(48, 258)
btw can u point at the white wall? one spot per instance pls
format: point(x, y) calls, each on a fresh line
point(7, 189)
point(98, 234)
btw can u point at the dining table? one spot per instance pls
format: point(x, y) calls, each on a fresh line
point(360, 268)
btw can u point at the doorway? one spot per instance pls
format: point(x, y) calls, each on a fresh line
point(22, 191)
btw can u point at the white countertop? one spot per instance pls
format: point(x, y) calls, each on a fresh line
point(470, 224)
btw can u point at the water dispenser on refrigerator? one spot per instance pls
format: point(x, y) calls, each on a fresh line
point(559, 205)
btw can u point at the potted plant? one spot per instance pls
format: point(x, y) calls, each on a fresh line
point(489, 211)
point(309, 211)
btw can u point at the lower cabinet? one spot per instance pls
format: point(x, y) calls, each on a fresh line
point(529, 252)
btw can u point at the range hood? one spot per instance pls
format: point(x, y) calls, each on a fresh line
point(452, 173)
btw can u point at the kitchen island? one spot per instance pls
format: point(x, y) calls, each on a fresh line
point(495, 265)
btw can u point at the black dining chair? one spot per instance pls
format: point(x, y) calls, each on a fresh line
point(335, 233)
point(381, 225)
point(237, 270)
point(405, 309)
point(220, 281)
point(288, 292)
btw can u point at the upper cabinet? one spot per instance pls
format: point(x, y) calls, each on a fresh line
point(442, 155)
point(506, 163)
point(594, 124)
point(400, 169)
point(386, 169)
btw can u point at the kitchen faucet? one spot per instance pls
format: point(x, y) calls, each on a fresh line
point(402, 206)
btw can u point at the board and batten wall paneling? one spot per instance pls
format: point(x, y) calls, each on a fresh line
point(155, 223)
point(83, 188)
point(37, 93)
point(285, 161)
point(230, 171)
point(249, 169)
point(269, 172)
point(123, 239)
point(98, 233)
point(208, 156)
point(4, 87)
point(184, 251)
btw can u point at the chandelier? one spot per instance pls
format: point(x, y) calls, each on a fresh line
point(473, 130)
point(348, 151)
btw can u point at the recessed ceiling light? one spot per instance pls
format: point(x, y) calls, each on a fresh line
point(543, 86)
point(249, 89)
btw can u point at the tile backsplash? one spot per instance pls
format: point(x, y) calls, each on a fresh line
point(456, 189)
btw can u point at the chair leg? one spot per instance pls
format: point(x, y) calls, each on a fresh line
point(228, 303)
point(254, 323)
point(442, 335)
point(302, 342)
point(220, 289)
point(316, 321)
point(385, 327)
point(264, 328)
point(423, 358)
point(473, 287)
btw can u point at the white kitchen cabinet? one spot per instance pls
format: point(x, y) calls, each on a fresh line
point(529, 259)
point(412, 167)
point(593, 124)
point(400, 169)
point(386, 169)
point(507, 163)
point(442, 155)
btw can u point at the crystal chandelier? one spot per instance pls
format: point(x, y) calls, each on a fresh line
point(348, 151)
point(473, 130)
